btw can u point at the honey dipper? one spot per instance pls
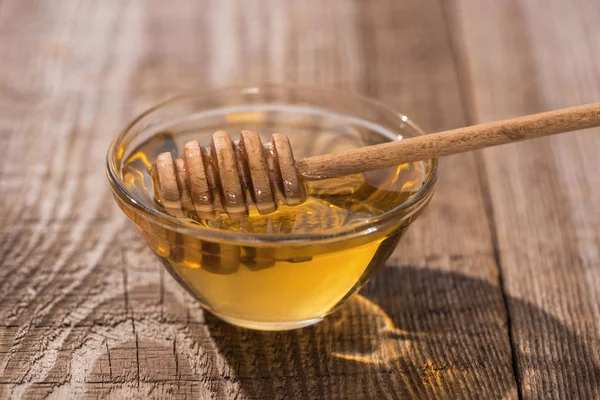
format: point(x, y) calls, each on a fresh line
point(231, 175)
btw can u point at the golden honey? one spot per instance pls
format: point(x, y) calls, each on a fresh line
point(280, 282)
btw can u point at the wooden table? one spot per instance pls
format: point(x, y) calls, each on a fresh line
point(494, 293)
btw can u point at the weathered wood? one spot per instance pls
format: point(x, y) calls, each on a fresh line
point(88, 312)
point(520, 57)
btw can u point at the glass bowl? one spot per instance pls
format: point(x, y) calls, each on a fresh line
point(269, 276)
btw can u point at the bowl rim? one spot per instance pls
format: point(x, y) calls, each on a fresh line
point(365, 228)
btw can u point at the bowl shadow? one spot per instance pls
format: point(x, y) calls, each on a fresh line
point(410, 333)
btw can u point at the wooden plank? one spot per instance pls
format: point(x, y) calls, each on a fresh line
point(89, 312)
point(520, 57)
point(410, 67)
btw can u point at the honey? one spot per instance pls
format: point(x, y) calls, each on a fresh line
point(278, 283)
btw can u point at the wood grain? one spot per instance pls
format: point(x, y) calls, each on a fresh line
point(526, 57)
point(474, 303)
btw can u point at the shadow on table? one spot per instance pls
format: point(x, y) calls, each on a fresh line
point(410, 333)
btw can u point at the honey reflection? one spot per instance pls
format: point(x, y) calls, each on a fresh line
point(390, 341)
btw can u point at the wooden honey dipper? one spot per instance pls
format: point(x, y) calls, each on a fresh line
point(231, 175)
